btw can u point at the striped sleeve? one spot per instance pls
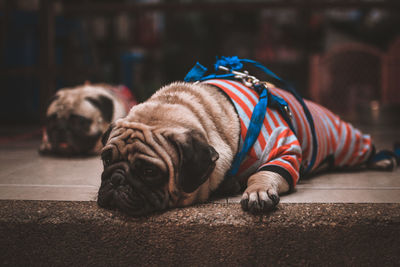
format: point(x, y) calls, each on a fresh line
point(353, 147)
point(284, 155)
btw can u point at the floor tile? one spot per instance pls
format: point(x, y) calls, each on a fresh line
point(24, 174)
point(49, 192)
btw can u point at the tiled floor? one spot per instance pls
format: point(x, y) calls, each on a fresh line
point(26, 175)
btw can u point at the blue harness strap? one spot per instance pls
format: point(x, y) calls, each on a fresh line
point(256, 122)
point(197, 73)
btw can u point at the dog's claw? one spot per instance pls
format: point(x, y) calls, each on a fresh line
point(259, 201)
point(253, 207)
point(275, 199)
point(244, 202)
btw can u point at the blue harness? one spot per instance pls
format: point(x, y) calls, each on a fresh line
point(232, 65)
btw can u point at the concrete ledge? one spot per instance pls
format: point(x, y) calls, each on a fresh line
point(51, 233)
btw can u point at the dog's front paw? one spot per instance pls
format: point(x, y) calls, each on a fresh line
point(258, 199)
point(262, 192)
point(384, 160)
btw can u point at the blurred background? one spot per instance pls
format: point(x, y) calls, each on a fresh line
point(343, 54)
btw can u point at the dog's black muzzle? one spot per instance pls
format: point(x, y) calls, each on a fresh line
point(121, 190)
point(70, 137)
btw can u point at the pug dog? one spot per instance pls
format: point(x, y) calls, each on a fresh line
point(77, 117)
point(177, 148)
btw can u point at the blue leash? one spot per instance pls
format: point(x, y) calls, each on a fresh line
point(197, 73)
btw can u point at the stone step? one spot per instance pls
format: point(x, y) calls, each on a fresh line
point(61, 233)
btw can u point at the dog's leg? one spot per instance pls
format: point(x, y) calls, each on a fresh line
point(385, 160)
point(45, 146)
point(262, 192)
point(385, 164)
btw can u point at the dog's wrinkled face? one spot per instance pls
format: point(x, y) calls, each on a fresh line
point(148, 169)
point(75, 122)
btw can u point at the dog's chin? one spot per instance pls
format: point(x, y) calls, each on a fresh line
point(68, 151)
point(82, 145)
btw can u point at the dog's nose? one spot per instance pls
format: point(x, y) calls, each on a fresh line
point(117, 179)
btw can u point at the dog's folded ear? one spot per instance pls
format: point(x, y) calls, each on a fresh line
point(52, 99)
point(196, 160)
point(106, 134)
point(104, 104)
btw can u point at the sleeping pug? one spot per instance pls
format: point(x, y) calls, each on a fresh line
point(77, 117)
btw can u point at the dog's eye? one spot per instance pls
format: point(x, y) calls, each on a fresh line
point(153, 176)
point(51, 120)
point(79, 122)
point(147, 170)
point(149, 173)
point(106, 157)
point(106, 162)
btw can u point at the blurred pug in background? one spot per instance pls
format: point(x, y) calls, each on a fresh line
point(77, 117)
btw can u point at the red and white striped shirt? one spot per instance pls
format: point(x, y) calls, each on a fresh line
point(280, 150)
point(125, 96)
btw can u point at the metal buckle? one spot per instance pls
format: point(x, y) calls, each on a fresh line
point(287, 110)
point(247, 79)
